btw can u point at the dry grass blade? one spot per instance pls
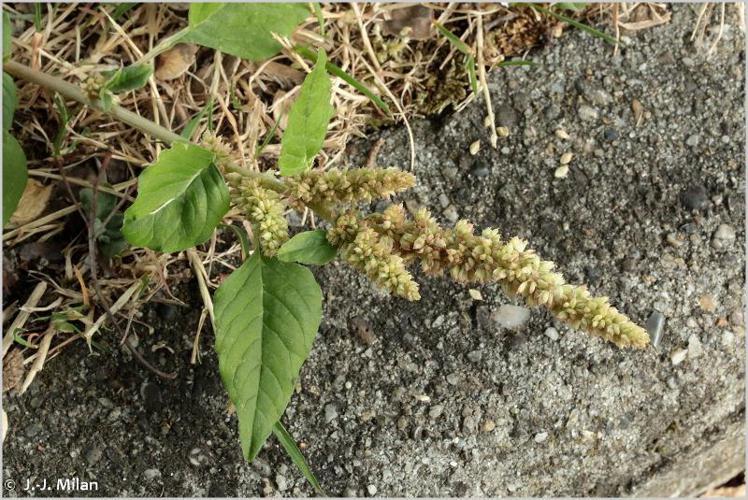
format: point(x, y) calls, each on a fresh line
point(23, 314)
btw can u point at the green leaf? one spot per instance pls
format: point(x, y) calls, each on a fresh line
point(337, 71)
point(307, 121)
point(10, 101)
point(243, 29)
point(181, 199)
point(7, 35)
point(105, 202)
point(575, 6)
point(287, 441)
point(128, 78)
point(189, 129)
point(584, 27)
point(267, 315)
point(15, 174)
point(309, 247)
point(454, 40)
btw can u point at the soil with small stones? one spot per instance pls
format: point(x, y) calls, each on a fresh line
point(434, 398)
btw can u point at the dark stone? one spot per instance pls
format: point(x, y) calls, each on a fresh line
point(506, 116)
point(695, 197)
point(479, 169)
point(166, 312)
point(610, 134)
point(151, 397)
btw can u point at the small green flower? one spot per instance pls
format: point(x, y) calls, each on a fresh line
point(483, 258)
point(345, 187)
point(265, 209)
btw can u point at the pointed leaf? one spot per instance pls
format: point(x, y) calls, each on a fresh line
point(10, 101)
point(309, 247)
point(181, 199)
point(243, 29)
point(267, 315)
point(7, 35)
point(128, 78)
point(15, 174)
point(287, 441)
point(307, 122)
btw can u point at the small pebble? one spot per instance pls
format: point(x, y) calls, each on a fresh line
point(587, 113)
point(566, 158)
point(707, 303)
point(475, 294)
point(371, 489)
point(678, 356)
point(509, 316)
point(502, 131)
point(728, 339)
point(474, 148)
point(443, 200)
point(693, 140)
point(695, 348)
point(436, 411)
point(331, 413)
point(540, 437)
point(475, 356)
point(562, 134)
point(551, 333)
point(451, 214)
point(281, 482)
point(561, 172)
point(488, 425)
point(151, 474)
point(723, 237)
point(655, 326)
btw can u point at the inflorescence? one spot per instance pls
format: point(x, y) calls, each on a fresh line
point(382, 245)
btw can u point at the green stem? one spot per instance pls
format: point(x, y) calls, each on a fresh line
point(70, 91)
point(163, 46)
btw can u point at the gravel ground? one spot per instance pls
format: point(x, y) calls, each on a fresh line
point(436, 398)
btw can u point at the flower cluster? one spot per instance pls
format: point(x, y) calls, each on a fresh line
point(482, 258)
point(341, 187)
point(218, 147)
point(265, 209)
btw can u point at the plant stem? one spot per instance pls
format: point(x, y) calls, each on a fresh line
point(163, 46)
point(70, 91)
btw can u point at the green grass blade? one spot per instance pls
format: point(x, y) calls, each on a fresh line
point(337, 71)
point(515, 62)
point(288, 443)
point(268, 137)
point(122, 9)
point(64, 114)
point(242, 236)
point(38, 23)
point(584, 27)
point(470, 68)
point(320, 18)
point(189, 129)
point(454, 40)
